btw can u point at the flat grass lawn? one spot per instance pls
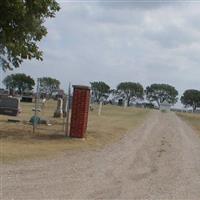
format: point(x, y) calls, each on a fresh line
point(191, 119)
point(18, 141)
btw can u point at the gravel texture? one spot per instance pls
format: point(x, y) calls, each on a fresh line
point(159, 160)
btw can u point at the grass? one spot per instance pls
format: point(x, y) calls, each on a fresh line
point(191, 119)
point(18, 142)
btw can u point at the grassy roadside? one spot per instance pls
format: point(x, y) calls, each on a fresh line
point(191, 119)
point(17, 141)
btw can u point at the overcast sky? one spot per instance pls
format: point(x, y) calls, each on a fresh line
point(113, 41)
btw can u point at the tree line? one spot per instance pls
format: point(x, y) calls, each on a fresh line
point(155, 93)
point(128, 91)
point(22, 27)
point(23, 83)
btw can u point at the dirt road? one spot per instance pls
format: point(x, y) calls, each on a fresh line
point(160, 160)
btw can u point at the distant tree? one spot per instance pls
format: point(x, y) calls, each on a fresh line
point(161, 92)
point(21, 28)
point(99, 90)
point(191, 98)
point(130, 90)
point(48, 85)
point(19, 82)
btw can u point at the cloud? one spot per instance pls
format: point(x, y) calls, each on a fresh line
point(139, 4)
point(89, 41)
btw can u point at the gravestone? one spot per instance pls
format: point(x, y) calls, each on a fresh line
point(120, 102)
point(64, 106)
point(27, 99)
point(43, 103)
point(9, 106)
point(59, 110)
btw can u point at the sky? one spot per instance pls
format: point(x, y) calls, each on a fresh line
point(114, 41)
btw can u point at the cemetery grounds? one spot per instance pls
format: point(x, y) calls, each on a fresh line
point(158, 158)
point(18, 141)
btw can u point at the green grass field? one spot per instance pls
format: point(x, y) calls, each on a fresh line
point(192, 119)
point(18, 142)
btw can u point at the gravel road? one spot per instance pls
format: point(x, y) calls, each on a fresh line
point(159, 160)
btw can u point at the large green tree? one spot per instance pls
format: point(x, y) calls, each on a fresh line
point(191, 98)
point(19, 82)
point(48, 85)
point(99, 90)
point(21, 28)
point(161, 92)
point(130, 90)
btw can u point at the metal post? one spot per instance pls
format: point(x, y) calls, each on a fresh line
point(68, 110)
point(64, 113)
point(36, 105)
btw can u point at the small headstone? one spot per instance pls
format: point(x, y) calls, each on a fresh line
point(43, 103)
point(120, 102)
point(59, 110)
point(91, 108)
point(44, 121)
point(27, 99)
point(64, 106)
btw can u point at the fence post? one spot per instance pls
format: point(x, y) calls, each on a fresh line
point(36, 105)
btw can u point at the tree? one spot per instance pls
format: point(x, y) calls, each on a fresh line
point(161, 92)
point(99, 90)
point(130, 90)
point(48, 85)
point(191, 98)
point(19, 82)
point(21, 28)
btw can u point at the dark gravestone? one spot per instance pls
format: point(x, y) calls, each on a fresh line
point(28, 99)
point(120, 102)
point(9, 106)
